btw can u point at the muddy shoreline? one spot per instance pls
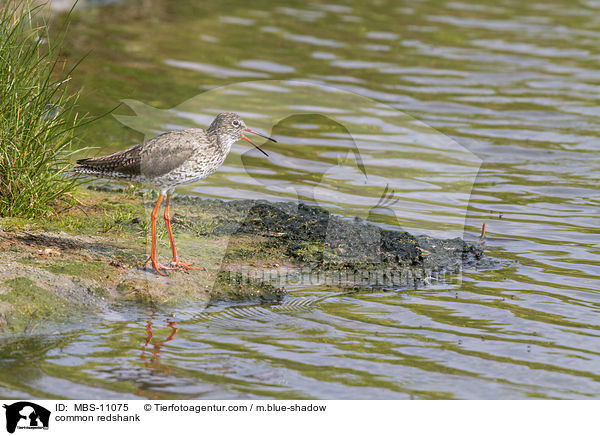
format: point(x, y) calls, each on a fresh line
point(93, 256)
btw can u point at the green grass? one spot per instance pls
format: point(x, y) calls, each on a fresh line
point(37, 115)
point(98, 213)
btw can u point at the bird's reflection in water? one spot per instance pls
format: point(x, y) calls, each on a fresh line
point(153, 360)
point(151, 357)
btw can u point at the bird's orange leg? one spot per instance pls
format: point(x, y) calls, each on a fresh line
point(155, 263)
point(175, 261)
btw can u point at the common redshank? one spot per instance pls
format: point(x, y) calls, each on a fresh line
point(176, 158)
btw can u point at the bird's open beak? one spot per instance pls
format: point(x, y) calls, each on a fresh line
point(259, 134)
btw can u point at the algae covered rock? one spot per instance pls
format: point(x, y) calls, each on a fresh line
point(250, 251)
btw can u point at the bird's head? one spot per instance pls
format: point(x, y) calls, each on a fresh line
point(230, 126)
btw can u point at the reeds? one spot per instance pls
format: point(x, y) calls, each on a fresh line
point(37, 114)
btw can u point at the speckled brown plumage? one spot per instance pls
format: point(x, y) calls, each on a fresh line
point(181, 157)
point(175, 158)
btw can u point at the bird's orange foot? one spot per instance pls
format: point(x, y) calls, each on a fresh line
point(185, 266)
point(158, 266)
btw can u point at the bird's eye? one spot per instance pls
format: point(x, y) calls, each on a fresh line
point(235, 123)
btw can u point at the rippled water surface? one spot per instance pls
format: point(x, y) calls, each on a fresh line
point(430, 116)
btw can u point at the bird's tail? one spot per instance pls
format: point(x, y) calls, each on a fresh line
point(97, 165)
point(86, 166)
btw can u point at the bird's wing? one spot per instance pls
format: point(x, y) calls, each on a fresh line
point(151, 158)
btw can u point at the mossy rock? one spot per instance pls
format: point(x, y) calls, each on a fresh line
point(24, 304)
point(233, 285)
point(159, 292)
point(62, 271)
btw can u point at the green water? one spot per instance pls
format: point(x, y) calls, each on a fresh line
point(471, 112)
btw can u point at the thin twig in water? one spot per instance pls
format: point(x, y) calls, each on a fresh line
point(29, 322)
